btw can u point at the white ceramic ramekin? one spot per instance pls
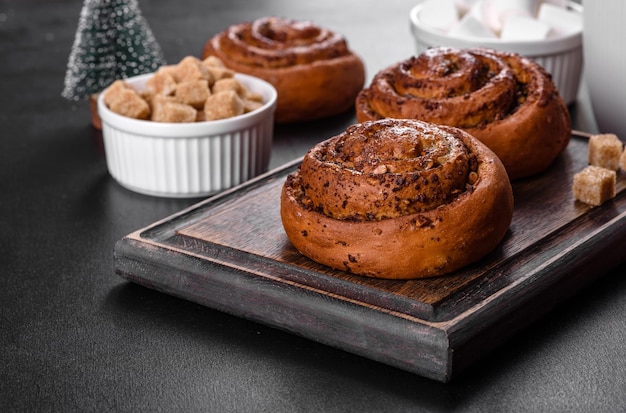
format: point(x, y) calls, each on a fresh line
point(561, 56)
point(186, 160)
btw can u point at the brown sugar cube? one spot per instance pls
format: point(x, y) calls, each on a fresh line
point(223, 105)
point(217, 68)
point(193, 92)
point(250, 105)
point(231, 83)
point(168, 69)
point(594, 185)
point(155, 100)
point(220, 72)
point(250, 95)
point(213, 61)
point(162, 82)
point(191, 68)
point(168, 110)
point(127, 102)
point(622, 161)
point(147, 95)
point(251, 100)
point(112, 92)
point(605, 150)
point(131, 105)
point(200, 116)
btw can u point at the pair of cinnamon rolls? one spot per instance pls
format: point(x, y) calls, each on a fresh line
point(505, 100)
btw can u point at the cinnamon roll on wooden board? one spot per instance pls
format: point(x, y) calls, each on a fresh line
point(397, 199)
point(312, 68)
point(505, 100)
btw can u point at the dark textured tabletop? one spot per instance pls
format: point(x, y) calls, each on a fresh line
point(76, 337)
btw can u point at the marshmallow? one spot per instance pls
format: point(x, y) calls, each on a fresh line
point(439, 14)
point(496, 12)
point(464, 6)
point(470, 25)
point(524, 28)
point(563, 21)
point(516, 20)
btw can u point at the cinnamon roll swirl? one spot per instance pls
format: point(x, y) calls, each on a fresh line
point(505, 100)
point(397, 199)
point(312, 68)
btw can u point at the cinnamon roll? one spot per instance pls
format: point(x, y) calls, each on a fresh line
point(505, 100)
point(312, 68)
point(397, 199)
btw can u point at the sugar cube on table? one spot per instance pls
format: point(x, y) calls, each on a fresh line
point(605, 150)
point(594, 185)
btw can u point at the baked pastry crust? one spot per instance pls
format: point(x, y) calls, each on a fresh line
point(314, 72)
point(397, 199)
point(505, 100)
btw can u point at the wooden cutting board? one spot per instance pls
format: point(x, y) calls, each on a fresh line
point(230, 253)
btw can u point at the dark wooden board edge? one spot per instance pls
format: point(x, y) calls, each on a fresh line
point(546, 282)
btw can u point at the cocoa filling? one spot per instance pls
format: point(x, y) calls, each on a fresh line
point(385, 169)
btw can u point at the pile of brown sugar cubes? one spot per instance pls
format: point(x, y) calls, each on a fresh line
point(595, 184)
point(193, 90)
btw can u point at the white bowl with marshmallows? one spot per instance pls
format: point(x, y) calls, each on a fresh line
point(189, 159)
point(547, 31)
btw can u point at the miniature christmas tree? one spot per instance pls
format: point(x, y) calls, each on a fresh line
point(113, 41)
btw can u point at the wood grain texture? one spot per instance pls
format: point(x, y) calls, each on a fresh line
point(230, 252)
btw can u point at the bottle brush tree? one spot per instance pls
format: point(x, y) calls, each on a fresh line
point(113, 41)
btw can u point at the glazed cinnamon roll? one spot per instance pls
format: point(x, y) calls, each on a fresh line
point(397, 199)
point(505, 100)
point(312, 68)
